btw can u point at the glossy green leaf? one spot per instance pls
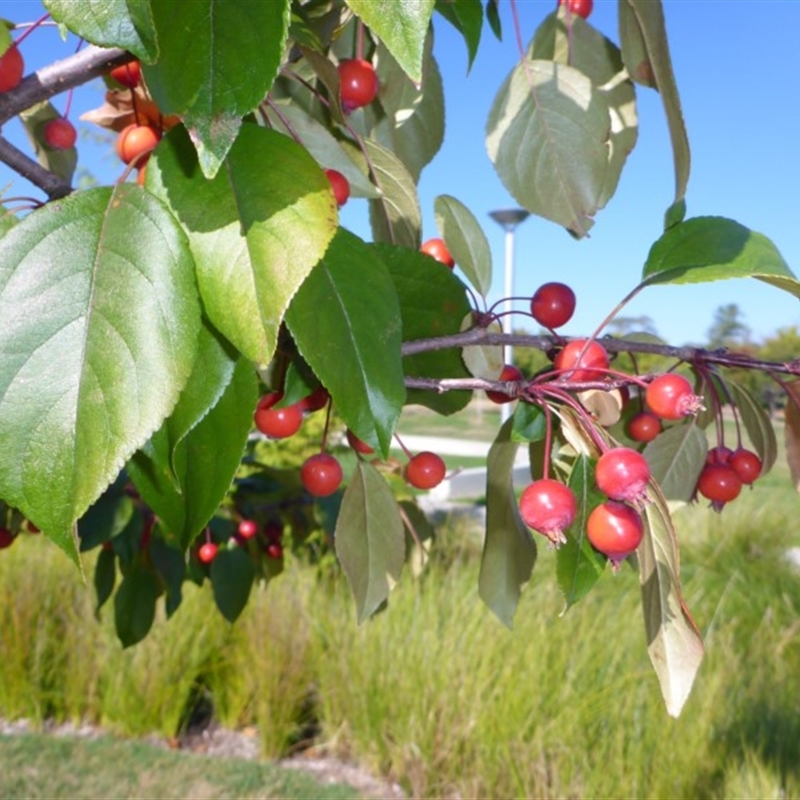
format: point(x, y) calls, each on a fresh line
point(232, 576)
point(466, 16)
point(5, 37)
point(107, 517)
point(322, 144)
point(256, 230)
point(466, 241)
point(60, 162)
point(529, 423)
point(412, 124)
point(105, 576)
point(757, 423)
point(216, 66)
point(127, 544)
point(370, 539)
point(135, 604)
point(583, 47)
point(401, 25)
point(676, 457)
point(705, 249)
point(493, 18)
point(642, 27)
point(673, 640)
point(184, 473)
point(433, 302)
point(509, 552)
point(395, 217)
point(170, 564)
point(578, 565)
point(211, 375)
point(94, 348)
point(547, 136)
point(109, 23)
point(346, 322)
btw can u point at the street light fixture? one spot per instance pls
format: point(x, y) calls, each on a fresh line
point(508, 219)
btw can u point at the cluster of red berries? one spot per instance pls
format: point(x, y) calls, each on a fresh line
point(321, 473)
point(614, 527)
point(247, 529)
point(137, 140)
point(725, 472)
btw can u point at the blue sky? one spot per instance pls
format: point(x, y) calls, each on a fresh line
point(736, 63)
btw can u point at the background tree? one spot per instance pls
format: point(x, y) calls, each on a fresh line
point(728, 328)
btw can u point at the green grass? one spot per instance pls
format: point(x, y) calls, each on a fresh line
point(433, 691)
point(41, 766)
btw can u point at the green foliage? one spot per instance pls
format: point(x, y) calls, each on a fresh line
point(139, 321)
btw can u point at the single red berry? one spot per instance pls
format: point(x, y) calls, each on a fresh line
point(358, 83)
point(59, 134)
point(247, 528)
point(318, 399)
point(274, 550)
point(277, 423)
point(582, 360)
point(580, 7)
point(340, 186)
point(6, 538)
point(719, 455)
point(425, 470)
point(321, 474)
point(719, 483)
point(358, 445)
point(553, 304)
point(12, 66)
point(615, 530)
point(208, 552)
point(509, 373)
point(436, 248)
point(644, 427)
point(135, 142)
point(622, 474)
point(548, 507)
point(670, 396)
point(746, 464)
point(128, 74)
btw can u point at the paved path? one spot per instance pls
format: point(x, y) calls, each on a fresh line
point(447, 446)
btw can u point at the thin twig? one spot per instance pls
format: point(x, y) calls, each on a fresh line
point(690, 354)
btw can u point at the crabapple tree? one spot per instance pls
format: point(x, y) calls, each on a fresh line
point(164, 337)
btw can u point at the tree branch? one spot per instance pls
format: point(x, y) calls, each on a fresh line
point(719, 357)
point(31, 170)
point(51, 80)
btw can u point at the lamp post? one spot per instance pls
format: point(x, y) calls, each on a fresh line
point(508, 219)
